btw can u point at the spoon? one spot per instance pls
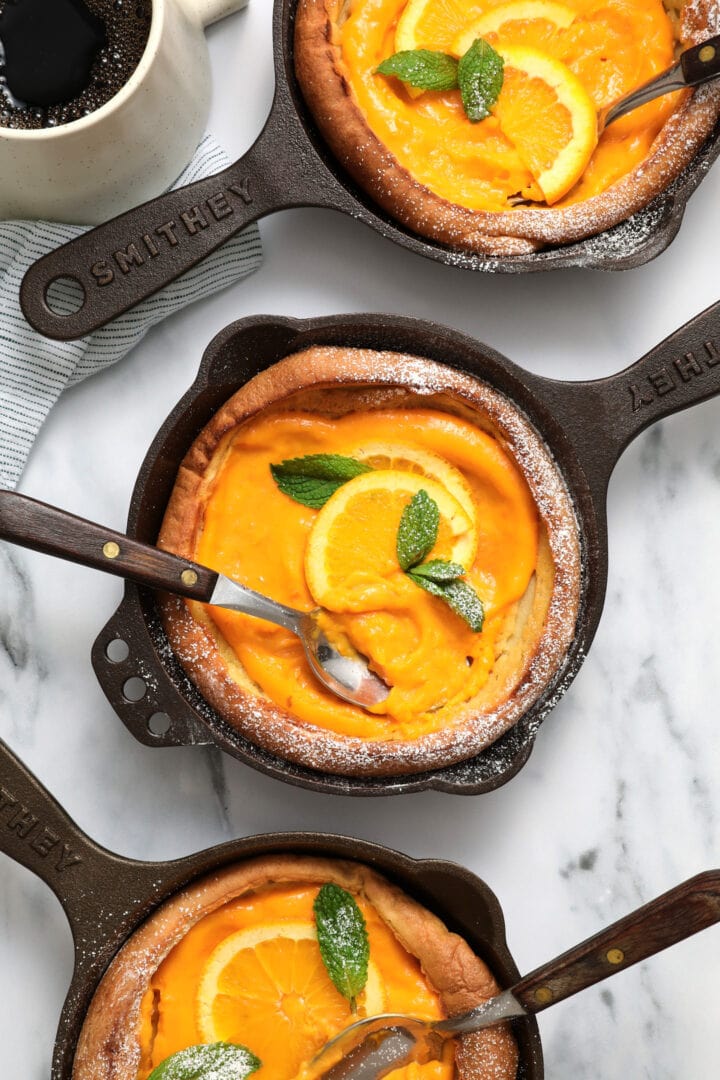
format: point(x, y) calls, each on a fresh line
point(372, 1047)
point(45, 528)
point(694, 66)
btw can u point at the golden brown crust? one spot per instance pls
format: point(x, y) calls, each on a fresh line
point(109, 1047)
point(336, 380)
point(319, 70)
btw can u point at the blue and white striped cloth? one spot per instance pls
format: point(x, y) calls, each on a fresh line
point(34, 370)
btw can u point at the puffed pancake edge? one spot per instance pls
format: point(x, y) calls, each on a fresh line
point(109, 1046)
point(323, 80)
point(336, 380)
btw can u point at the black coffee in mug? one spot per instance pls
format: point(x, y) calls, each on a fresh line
point(61, 60)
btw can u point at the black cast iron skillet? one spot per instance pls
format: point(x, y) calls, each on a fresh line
point(585, 426)
point(134, 255)
point(106, 896)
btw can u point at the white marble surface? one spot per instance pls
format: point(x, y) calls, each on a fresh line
point(621, 797)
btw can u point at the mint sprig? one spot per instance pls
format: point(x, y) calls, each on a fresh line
point(460, 596)
point(212, 1061)
point(478, 74)
point(312, 479)
point(417, 535)
point(422, 68)
point(343, 940)
point(438, 570)
point(418, 530)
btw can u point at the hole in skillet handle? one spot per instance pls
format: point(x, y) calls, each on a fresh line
point(159, 724)
point(117, 651)
point(65, 296)
point(121, 656)
point(134, 689)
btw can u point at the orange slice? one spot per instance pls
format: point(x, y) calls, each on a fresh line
point(352, 547)
point(267, 988)
point(432, 24)
point(534, 23)
point(546, 112)
point(413, 459)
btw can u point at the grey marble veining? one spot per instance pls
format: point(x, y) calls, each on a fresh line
point(621, 797)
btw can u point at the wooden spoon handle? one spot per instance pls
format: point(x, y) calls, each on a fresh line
point(675, 915)
point(701, 62)
point(55, 532)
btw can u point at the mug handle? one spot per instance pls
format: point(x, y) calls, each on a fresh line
point(207, 12)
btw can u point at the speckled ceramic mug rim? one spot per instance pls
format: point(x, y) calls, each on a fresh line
point(97, 116)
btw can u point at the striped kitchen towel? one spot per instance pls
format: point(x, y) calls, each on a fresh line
point(34, 370)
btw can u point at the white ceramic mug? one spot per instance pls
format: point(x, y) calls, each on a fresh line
point(131, 148)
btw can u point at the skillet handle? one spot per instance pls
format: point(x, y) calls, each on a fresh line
point(126, 260)
point(37, 833)
point(672, 917)
point(600, 418)
point(681, 371)
point(44, 528)
point(104, 896)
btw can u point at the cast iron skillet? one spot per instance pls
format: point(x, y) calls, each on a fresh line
point(585, 425)
point(106, 897)
point(290, 166)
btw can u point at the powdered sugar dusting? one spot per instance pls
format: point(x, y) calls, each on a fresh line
point(221, 1062)
point(383, 376)
point(627, 224)
point(109, 1045)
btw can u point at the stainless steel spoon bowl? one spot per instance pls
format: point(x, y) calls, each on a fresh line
point(55, 532)
point(375, 1046)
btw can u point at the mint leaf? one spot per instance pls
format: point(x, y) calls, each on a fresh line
point(423, 69)
point(214, 1061)
point(343, 940)
point(460, 596)
point(439, 570)
point(480, 77)
point(312, 479)
point(466, 603)
point(418, 530)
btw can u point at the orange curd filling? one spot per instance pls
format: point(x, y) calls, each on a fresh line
point(431, 658)
point(251, 973)
point(612, 46)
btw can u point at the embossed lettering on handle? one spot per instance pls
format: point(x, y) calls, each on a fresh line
point(126, 260)
point(682, 370)
point(669, 376)
point(130, 258)
point(37, 833)
point(96, 888)
point(601, 417)
point(41, 839)
point(159, 241)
